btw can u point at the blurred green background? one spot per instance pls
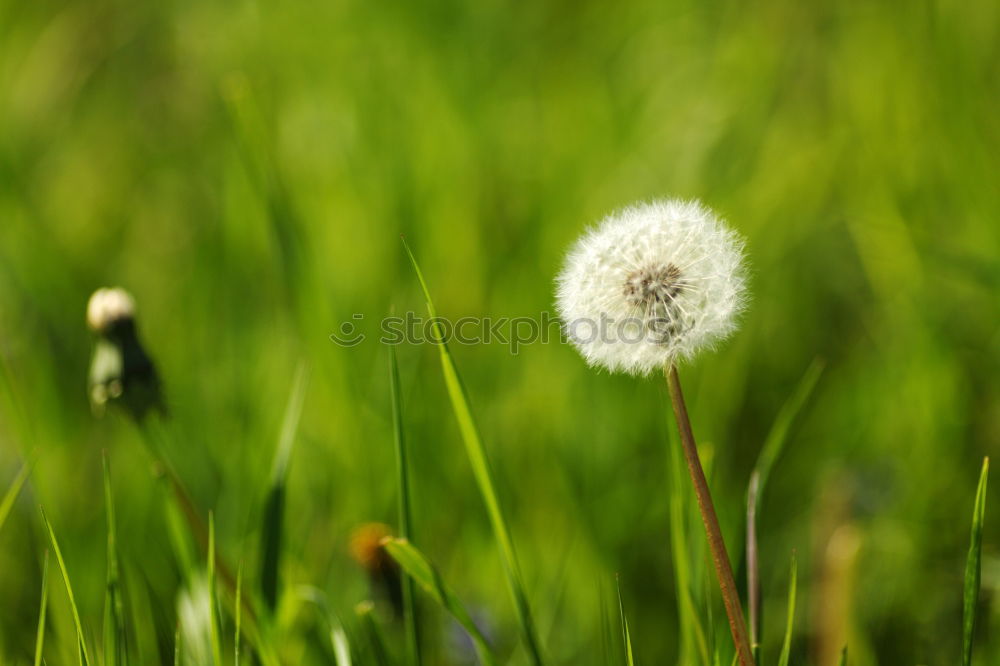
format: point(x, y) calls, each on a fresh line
point(246, 169)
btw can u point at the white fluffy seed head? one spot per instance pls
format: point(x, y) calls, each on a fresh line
point(651, 284)
point(108, 306)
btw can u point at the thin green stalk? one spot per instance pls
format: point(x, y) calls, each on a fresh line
point(773, 446)
point(40, 634)
point(786, 646)
point(213, 595)
point(476, 452)
point(274, 506)
point(717, 546)
point(7, 503)
point(238, 611)
point(341, 646)
point(84, 658)
point(410, 617)
point(973, 566)
point(426, 575)
point(626, 634)
point(376, 638)
point(115, 643)
point(605, 620)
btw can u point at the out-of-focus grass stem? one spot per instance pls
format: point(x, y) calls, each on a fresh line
point(773, 446)
point(405, 511)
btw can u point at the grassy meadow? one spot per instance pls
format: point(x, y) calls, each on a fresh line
point(246, 169)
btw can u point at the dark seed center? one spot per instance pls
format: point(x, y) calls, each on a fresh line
point(650, 286)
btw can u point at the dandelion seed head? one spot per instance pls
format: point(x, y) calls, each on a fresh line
point(107, 306)
point(651, 284)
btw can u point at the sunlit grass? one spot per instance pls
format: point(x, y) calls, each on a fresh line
point(249, 186)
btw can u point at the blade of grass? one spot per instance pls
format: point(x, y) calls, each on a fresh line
point(410, 618)
point(778, 435)
point(376, 640)
point(238, 612)
point(84, 658)
point(605, 627)
point(180, 539)
point(476, 452)
point(40, 634)
point(773, 446)
point(338, 638)
point(341, 647)
point(426, 576)
point(7, 503)
point(177, 646)
point(786, 646)
point(713, 645)
point(115, 646)
point(213, 595)
point(274, 505)
point(626, 634)
point(973, 566)
point(843, 657)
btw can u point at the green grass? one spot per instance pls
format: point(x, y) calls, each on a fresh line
point(786, 645)
point(483, 474)
point(42, 608)
point(9, 497)
point(424, 574)
point(410, 617)
point(626, 633)
point(272, 531)
point(973, 567)
point(214, 621)
point(81, 641)
point(115, 640)
point(238, 614)
point(250, 184)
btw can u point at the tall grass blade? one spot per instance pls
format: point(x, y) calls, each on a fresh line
point(7, 503)
point(484, 477)
point(115, 642)
point(973, 566)
point(778, 435)
point(177, 530)
point(238, 612)
point(426, 576)
point(606, 640)
point(341, 647)
point(843, 657)
point(84, 658)
point(786, 646)
point(338, 638)
point(626, 634)
point(274, 505)
point(376, 639)
point(774, 444)
point(410, 618)
point(213, 595)
point(40, 634)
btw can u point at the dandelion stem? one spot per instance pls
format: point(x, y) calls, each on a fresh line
point(723, 569)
